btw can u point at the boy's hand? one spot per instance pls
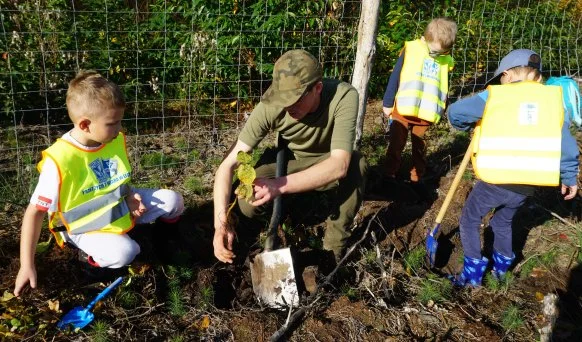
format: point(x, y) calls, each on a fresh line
point(136, 206)
point(387, 112)
point(25, 276)
point(569, 192)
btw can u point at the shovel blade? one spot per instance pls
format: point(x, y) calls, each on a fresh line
point(78, 317)
point(432, 244)
point(274, 280)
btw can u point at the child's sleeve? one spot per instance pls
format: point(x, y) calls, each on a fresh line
point(569, 159)
point(393, 83)
point(464, 113)
point(46, 194)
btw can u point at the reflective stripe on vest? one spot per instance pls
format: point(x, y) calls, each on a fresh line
point(106, 200)
point(519, 137)
point(424, 83)
point(93, 187)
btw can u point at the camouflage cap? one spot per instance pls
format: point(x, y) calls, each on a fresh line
point(292, 74)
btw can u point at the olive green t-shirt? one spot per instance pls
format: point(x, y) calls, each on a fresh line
point(332, 126)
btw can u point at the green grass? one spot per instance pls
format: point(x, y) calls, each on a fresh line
point(434, 289)
point(177, 338)
point(194, 184)
point(176, 302)
point(497, 285)
point(511, 318)
point(158, 159)
point(206, 297)
point(128, 299)
point(370, 257)
point(99, 331)
point(414, 259)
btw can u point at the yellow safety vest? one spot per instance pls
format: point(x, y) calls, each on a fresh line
point(92, 188)
point(520, 135)
point(424, 83)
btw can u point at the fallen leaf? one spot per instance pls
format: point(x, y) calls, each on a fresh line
point(537, 272)
point(539, 296)
point(204, 322)
point(7, 296)
point(54, 306)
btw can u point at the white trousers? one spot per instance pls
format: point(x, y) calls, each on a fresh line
point(117, 250)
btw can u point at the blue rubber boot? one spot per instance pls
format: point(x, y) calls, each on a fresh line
point(501, 264)
point(472, 275)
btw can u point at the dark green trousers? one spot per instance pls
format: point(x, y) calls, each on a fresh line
point(346, 195)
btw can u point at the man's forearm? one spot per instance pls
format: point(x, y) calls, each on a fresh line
point(318, 175)
point(222, 188)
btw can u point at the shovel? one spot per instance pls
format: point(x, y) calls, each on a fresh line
point(431, 240)
point(80, 316)
point(272, 271)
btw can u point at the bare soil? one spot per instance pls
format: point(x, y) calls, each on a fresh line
point(178, 291)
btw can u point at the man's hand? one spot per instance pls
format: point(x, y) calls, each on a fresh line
point(25, 276)
point(569, 192)
point(266, 189)
point(223, 238)
point(387, 112)
point(136, 206)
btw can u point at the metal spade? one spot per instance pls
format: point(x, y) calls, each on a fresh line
point(272, 272)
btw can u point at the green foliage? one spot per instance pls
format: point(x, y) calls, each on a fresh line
point(414, 259)
point(177, 338)
point(434, 289)
point(99, 331)
point(370, 257)
point(176, 302)
point(511, 318)
point(246, 175)
point(206, 297)
point(349, 291)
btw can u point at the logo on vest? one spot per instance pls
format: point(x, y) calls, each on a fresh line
point(104, 169)
point(528, 114)
point(430, 68)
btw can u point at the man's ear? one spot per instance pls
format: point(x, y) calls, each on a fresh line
point(319, 87)
point(84, 124)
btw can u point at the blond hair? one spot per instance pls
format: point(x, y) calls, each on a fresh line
point(442, 30)
point(89, 93)
point(526, 73)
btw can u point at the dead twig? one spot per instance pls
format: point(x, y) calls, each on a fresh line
point(315, 296)
point(563, 220)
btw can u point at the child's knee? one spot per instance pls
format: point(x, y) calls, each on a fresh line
point(122, 256)
point(173, 202)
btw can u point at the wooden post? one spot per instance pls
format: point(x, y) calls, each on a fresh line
point(367, 31)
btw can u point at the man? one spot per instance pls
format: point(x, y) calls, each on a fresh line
point(317, 117)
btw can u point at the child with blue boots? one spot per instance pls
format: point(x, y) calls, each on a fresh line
point(521, 142)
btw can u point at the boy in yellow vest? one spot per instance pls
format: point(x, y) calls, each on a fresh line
point(83, 185)
point(521, 143)
point(416, 94)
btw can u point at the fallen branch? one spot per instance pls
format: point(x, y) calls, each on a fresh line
point(563, 220)
point(315, 296)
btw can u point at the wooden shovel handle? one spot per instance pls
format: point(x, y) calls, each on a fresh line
point(456, 182)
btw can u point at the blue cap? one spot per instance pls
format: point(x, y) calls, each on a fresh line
point(517, 58)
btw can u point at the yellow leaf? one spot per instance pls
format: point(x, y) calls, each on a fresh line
point(243, 157)
point(6, 315)
point(232, 105)
point(539, 296)
point(246, 174)
point(204, 322)
point(244, 191)
point(139, 269)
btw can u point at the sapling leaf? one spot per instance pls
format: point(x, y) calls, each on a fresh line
point(243, 157)
point(245, 191)
point(246, 174)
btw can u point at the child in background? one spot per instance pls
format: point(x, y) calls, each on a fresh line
point(84, 185)
point(521, 142)
point(416, 94)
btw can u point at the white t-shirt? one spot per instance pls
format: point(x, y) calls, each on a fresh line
point(46, 194)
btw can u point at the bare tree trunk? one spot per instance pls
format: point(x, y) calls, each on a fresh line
point(367, 31)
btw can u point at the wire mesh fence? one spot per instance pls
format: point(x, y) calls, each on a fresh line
point(192, 71)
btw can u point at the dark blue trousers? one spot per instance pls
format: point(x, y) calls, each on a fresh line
point(482, 199)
